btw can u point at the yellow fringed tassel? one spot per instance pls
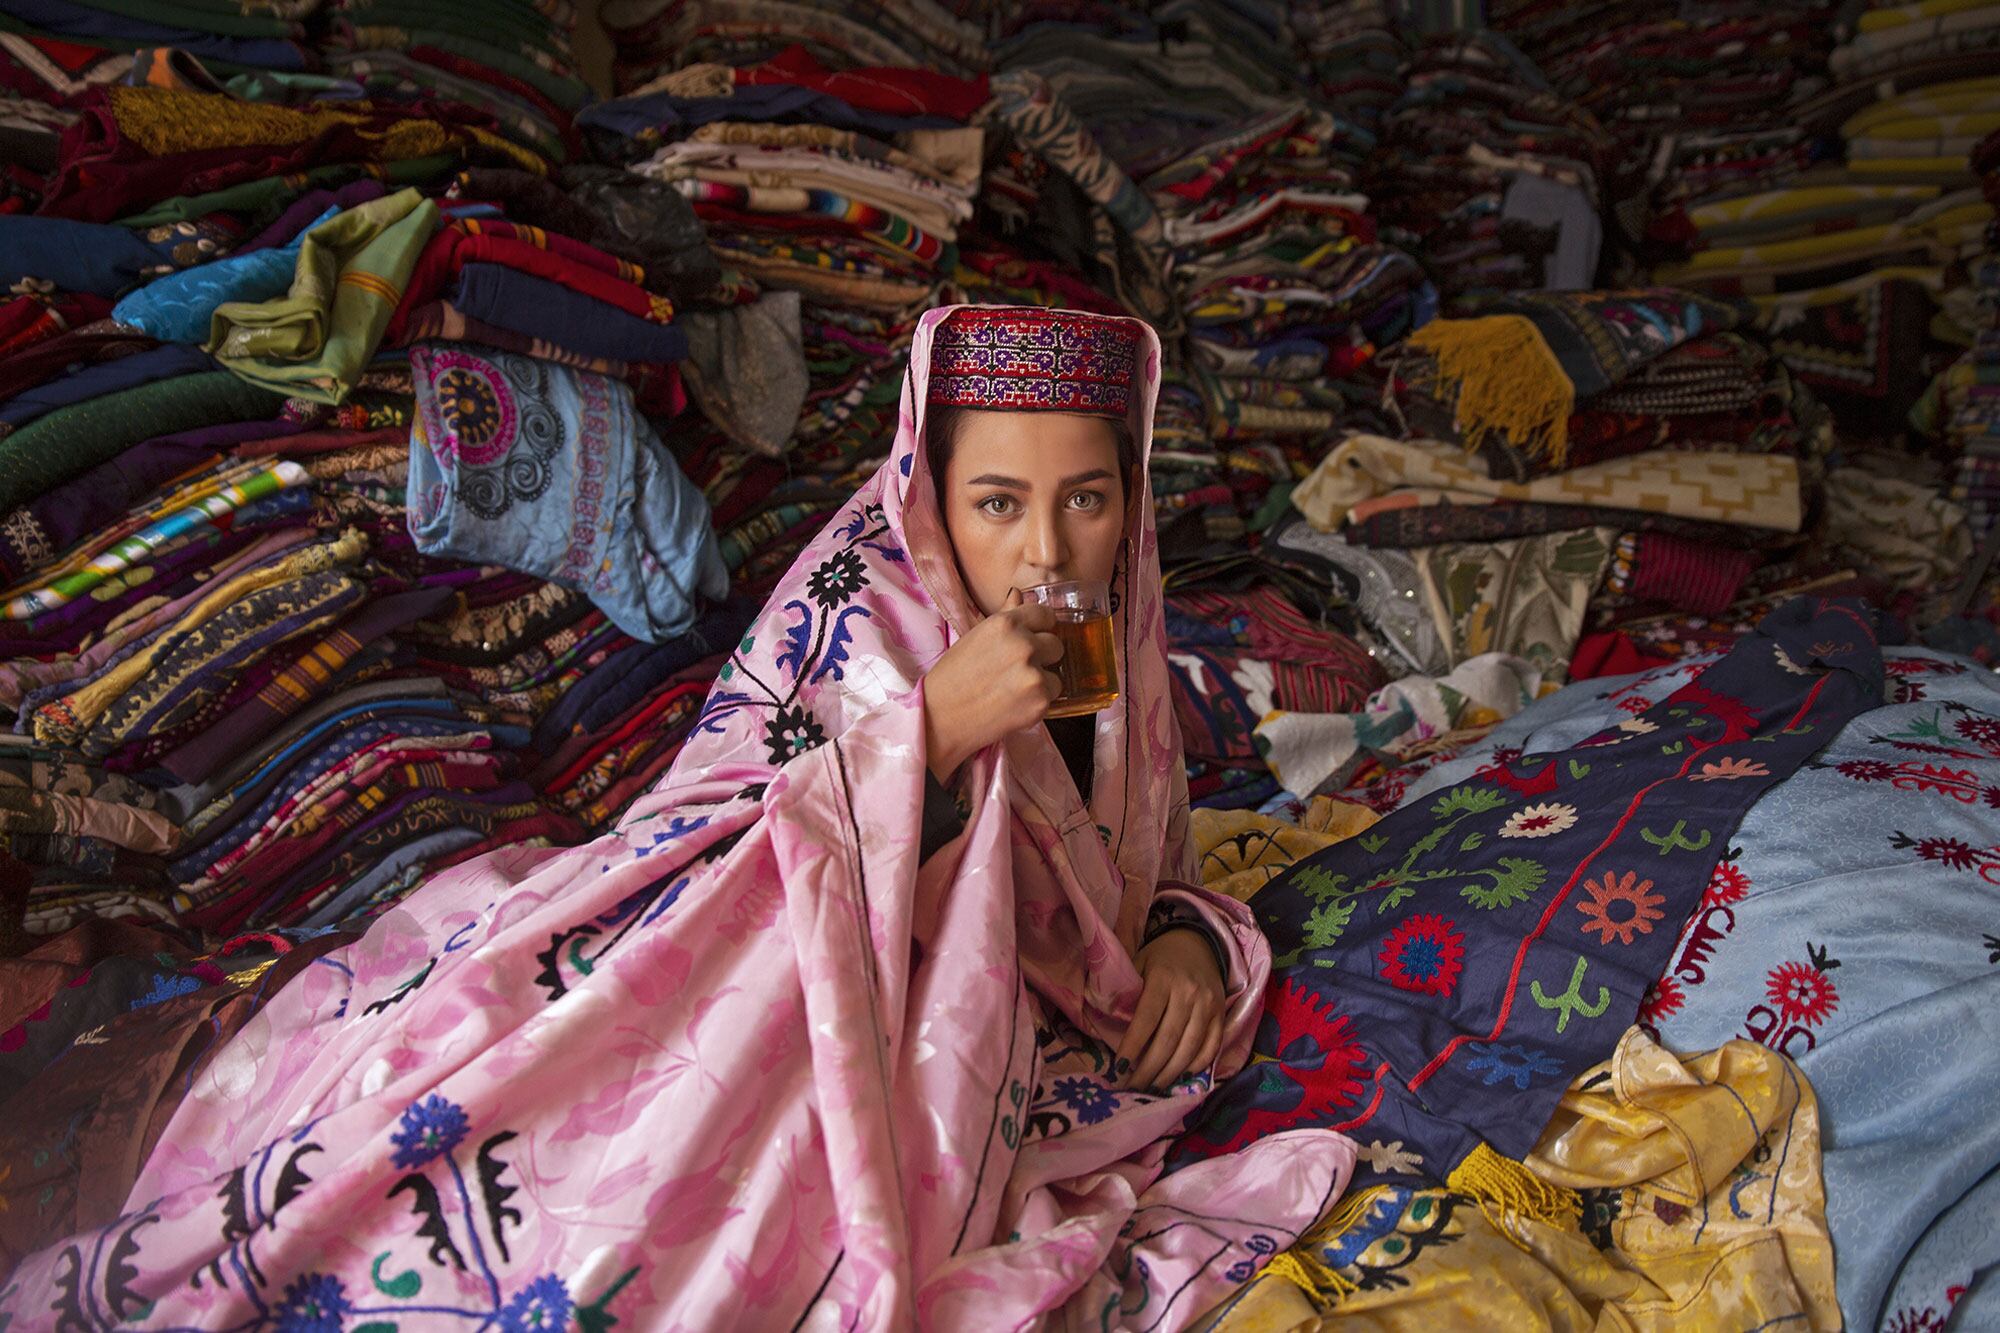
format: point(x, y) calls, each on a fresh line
point(1505, 379)
point(1302, 1266)
point(1323, 1286)
point(1505, 1189)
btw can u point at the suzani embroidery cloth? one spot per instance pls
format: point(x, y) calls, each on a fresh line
point(1441, 979)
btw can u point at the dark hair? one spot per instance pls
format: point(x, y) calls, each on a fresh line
point(942, 426)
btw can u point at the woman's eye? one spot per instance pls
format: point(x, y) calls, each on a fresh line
point(1087, 501)
point(997, 505)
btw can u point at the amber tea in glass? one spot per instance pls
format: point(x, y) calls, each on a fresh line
point(1089, 665)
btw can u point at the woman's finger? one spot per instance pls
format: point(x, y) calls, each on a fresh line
point(1044, 649)
point(1166, 1039)
point(1193, 1037)
point(1205, 1058)
point(1145, 1019)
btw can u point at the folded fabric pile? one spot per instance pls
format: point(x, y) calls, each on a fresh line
point(1236, 657)
point(512, 61)
point(650, 36)
point(1287, 297)
point(1572, 461)
point(1960, 412)
point(338, 543)
point(1354, 55)
point(1701, 108)
point(1487, 175)
point(1847, 262)
point(839, 194)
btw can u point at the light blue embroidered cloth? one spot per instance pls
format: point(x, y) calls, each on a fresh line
point(552, 471)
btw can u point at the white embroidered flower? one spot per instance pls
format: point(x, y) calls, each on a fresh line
point(1637, 726)
point(1391, 1157)
point(1785, 662)
point(1539, 821)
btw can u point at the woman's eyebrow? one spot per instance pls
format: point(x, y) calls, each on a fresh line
point(1097, 474)
point(995, 479)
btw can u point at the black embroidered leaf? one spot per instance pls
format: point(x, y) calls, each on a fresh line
point(424, 1202)
point(550, 978)
point(68, 1305)
point(397, 996)
point(121, 1272)
point(293, 1180)
point(495, 1192)
point(235, 1207)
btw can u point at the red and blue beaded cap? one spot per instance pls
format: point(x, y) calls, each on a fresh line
point(1024, 359)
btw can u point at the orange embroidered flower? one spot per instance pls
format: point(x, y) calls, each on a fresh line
point(1612, 889)
point(1723, 770)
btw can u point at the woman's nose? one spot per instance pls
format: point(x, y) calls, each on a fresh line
point(1046, 549)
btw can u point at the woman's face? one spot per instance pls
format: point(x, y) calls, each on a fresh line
point(1032, 498)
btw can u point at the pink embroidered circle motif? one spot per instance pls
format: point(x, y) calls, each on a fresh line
point(477, 409)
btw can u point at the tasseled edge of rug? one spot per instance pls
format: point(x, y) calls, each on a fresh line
point(1302, 1266)
point(1502, 377)
point(1505, 1190)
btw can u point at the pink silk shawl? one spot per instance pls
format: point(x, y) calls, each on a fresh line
point(743, 1062)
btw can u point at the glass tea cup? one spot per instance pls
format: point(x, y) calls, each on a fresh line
point(1089, 666)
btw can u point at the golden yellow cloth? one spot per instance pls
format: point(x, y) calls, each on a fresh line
point(1703, 1209)
point(1756, 490)
point(1240, 851)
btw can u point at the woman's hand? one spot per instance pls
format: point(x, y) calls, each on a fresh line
point(993, 682)
point(1178, 1025)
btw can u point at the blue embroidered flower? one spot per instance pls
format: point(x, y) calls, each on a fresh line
point(542, 1306)
point(165, 987)
point(1515, 1064)
point(429, 1129)
point(314, 1303)
point(1092, 1102)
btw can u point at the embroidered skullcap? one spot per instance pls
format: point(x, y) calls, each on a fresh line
point(1025, 359)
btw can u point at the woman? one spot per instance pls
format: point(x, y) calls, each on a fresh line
point(768, 1056)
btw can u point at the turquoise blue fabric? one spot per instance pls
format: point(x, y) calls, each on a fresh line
point(178, 308)
point(1854, 923)
point(553, 472)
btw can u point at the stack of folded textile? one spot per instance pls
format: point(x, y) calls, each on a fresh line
point(1287, 297)
point(1847, 262)
point(1353, 54)
point(312, 596)
point(511, 60)
point(651, 36)
point(1486, 174)
point(1235, 657)
point(1701, 106)
point(1543, 432)
point(1961, 409)
point(843, 192)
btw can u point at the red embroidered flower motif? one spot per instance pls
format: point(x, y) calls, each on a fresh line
point(1664, 999)
point(1726, 884)
point(1948, 851)
point(1424, 954)
point(1910, 1319)
point(1803, 994)
point(1626, 888)
point(1635, 705)
point(1866, 770)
